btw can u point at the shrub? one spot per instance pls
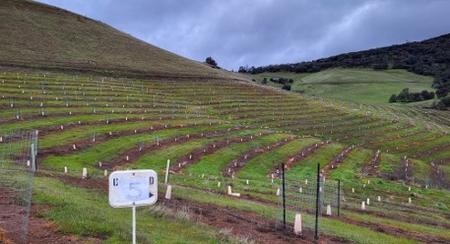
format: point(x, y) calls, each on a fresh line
point(393, 98)
point(443, 103)
point(286, 87)
point(264, 81)
point(211, 61)
point(406, 97)
point(426, 95)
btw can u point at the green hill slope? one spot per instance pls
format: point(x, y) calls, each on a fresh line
point(429, 57)
point(354, 85)
point(38, 35)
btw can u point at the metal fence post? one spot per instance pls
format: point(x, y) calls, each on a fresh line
point(284, 195)
point(339, 198)
point(37, 141)
point(33, 158)
point(316, 229)
point(34, 150)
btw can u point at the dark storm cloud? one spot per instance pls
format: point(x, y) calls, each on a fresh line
point(260, 32)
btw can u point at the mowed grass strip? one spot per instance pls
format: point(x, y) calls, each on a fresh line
point(109, 149)
point(35, 110)
point(157, 160)
point(388, 163)
point(261, 165)
point(421, 171)
point(71, 135)
point(214, 164)
point(307, 168)
point(350, 167)
point(63, 120)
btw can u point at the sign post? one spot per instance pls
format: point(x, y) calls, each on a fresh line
point(134, 224)
point(133, 188)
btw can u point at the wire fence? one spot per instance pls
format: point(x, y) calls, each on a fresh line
point(312, 198)
point(18, 152)
point(303, 203)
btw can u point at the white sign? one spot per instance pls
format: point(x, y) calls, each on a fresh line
point(133, 188)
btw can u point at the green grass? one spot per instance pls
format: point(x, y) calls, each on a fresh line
point(62, 120)
point(213, 164)
point(107, 150)
point(307, 168)
point(87, 213)
point(429, 230)
point(260, 166)
point(157, 160)
point(83, 132)
point(346, 171)
point(421, 171)
point(328, 226)
point(388, 163)
point(356, 85)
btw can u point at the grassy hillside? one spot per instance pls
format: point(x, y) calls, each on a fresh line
point(38, 35)
point(354, 85)
point(429, 57)
point(239, 136)
point(216, 133)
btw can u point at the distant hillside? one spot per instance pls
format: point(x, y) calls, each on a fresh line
point(359, 85)
point(429, 57)
point(42, 36)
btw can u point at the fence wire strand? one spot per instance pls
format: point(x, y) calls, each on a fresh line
point(16, 182)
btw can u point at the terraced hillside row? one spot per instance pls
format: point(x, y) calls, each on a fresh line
point(219, 133)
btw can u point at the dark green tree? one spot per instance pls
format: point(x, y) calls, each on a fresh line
point(403, 96)
point(211, 61)
point(264, 81)
point(393, 98)
point(286, 87)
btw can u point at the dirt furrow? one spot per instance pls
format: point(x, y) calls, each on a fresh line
point(438, 176)
point(401, 217)
point(371, 168)
point(434, 150)
point(395, 231)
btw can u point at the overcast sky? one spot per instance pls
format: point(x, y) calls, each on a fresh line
point(261, 32)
